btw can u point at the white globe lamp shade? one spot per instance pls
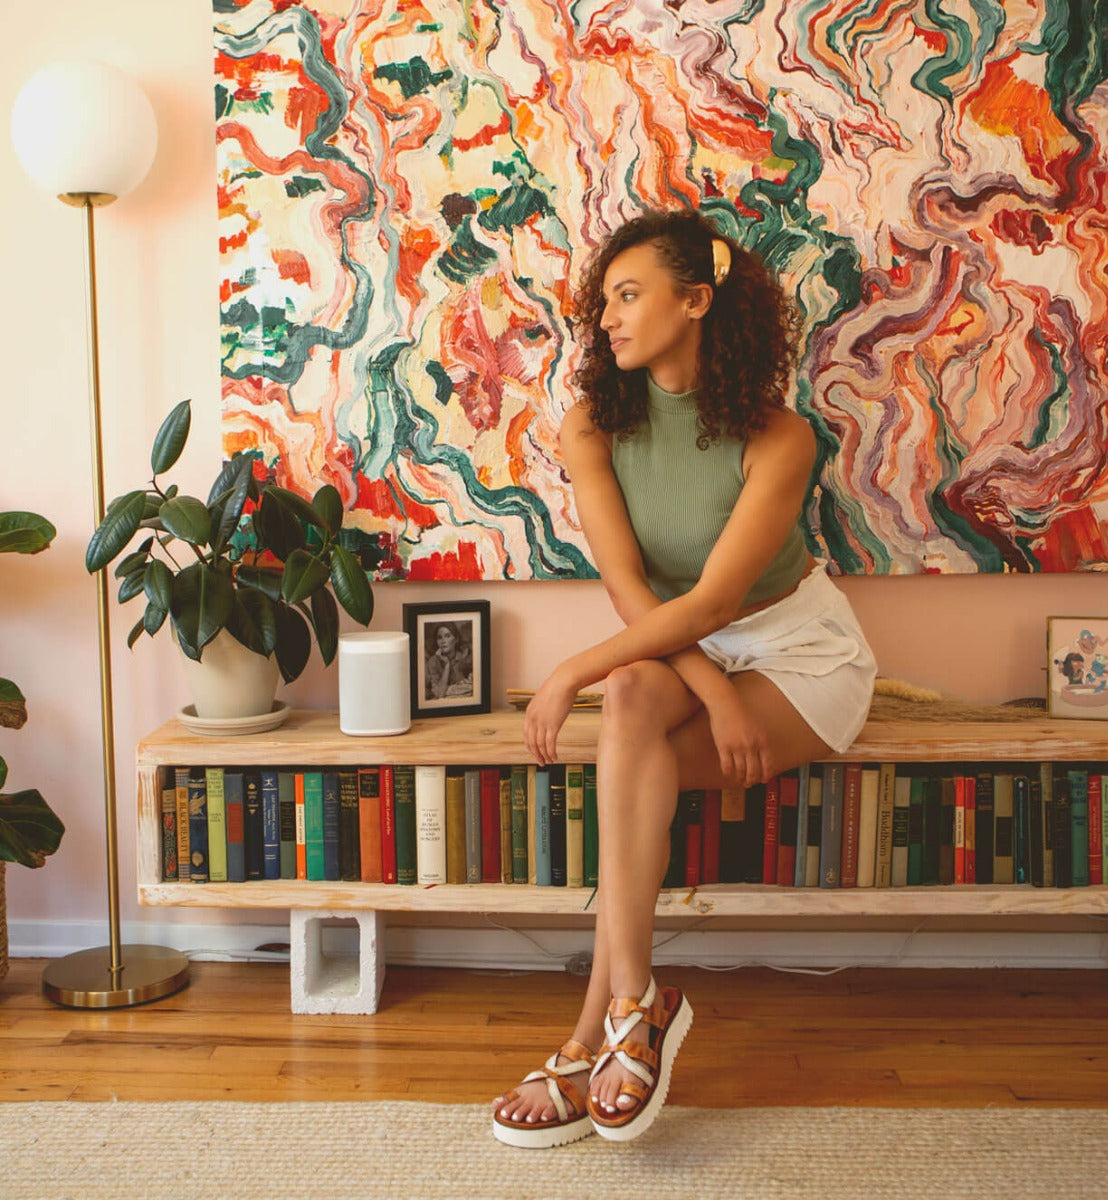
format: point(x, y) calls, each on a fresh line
point(84, 127)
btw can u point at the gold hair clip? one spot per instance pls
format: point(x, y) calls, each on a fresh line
point(721, 259)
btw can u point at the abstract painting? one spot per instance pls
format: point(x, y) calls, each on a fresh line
point(407, 191)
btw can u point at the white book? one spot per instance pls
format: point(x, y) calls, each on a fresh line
point(430, 819)
point(867, 827)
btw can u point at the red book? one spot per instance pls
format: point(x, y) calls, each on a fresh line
point(1096, 833)
point(852, 815)
point(694, 836)
point(709, 836)
point(388, 825)
point(786, 837)
point(959, 829)
point(771, 829)
point(490, 824)
point(369, 824)
point(301, 843)
point(971, 829)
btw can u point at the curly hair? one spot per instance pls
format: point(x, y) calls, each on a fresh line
point(748, 338)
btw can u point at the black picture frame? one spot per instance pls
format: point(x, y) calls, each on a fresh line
point(450, 650)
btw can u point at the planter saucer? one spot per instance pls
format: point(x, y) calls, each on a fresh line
point(220, 726)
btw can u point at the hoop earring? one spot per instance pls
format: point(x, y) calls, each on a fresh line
point(721, 260)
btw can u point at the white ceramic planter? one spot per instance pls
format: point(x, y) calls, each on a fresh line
point(230, 680)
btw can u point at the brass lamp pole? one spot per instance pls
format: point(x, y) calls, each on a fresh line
point(55, 121)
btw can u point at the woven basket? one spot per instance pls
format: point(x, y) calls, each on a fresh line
point(3, 925)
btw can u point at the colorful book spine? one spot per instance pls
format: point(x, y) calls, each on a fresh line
point(886, 804)
point(1061, 829)
point(313, 825)
point(558, 824)
point(542, 827)
point(181, 787)
point(403, 782)
point(301, 831)
point(960, 829)
point(271, 826)
point(709, 845)
point(217, 825)
point(971, 829)
point(286, 823)
point(851, 825)
point(831, 828)
point(331, 826)
point(455, 789)
point(505, 825)
point(430, 818)
point(575, 825)
point(789, 816)
point(473, 825)
point(771, 829)
point(236, 848)
point(867, 826)
point(532, 825)
point(369, 824)
point(694, 836)
point(198, 826)
point(1096, 829)
point(350, 866)
point(592, 839)
point(388, 825)
point(1079, 826)
point(252, 835)
point(490, 824)
point(169, 832)
point(519, 824)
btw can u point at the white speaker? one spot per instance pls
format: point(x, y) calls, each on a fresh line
point(374, 689)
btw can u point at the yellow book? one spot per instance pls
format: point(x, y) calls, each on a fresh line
point(455, 825)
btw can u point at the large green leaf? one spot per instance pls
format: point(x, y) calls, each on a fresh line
point(119, 525)
point(277, 525)
point(171, 437)
point(253, 621)
point(229, 494)
point(202, 603)
point(133, 561)
point(13, 707)
point(328, 504)
point(29, 829)
point(188, 519)
point(154, 618)
point(264, 579)
point(351, 585)
point(294, 642)
point(325, 618)
point(137, 630)
point(295, 503)
point(24, 533)
point(132, 586)
point(303, 575)
point(158, 584)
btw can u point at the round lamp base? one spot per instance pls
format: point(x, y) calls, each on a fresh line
point(86, 980)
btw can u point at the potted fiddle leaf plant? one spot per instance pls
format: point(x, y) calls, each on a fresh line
point(30, 830)
point(245, 579)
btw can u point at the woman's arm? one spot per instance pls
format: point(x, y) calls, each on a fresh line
point(777, 467)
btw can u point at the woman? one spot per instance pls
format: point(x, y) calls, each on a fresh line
point(739, 658)
point(449, 667)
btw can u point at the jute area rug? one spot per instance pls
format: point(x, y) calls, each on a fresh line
point(276, 1151)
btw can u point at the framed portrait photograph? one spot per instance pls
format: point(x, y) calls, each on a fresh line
point(449, 647)
point(1077, 667)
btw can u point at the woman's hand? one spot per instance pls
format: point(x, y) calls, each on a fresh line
point(741, 742)
point(546, 715)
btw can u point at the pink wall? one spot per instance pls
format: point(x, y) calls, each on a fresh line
point(979, 638)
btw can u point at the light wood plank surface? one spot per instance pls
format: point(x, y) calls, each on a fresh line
point(889, 1038)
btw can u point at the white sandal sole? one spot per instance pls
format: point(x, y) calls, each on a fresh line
point(545, 1137)
point(645, 1116)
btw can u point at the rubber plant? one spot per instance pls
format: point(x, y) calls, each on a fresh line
point(30, 830)
point(256, 559)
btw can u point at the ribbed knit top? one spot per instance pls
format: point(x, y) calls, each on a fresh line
point(679, 498)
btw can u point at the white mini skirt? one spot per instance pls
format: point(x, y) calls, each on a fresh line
point(812, 648)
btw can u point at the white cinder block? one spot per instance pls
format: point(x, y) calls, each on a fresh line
point(323, 982)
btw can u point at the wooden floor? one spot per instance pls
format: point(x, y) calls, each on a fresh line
point(760, 1037)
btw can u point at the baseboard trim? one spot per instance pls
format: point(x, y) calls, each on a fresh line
point(505, 948)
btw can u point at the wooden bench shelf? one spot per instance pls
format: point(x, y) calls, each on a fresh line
point(313, 738)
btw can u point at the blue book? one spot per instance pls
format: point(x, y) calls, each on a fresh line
point(803, 774)
point(236, 850)
point(330, 825)
point(253, 834)
point(831, 829)
point(198, 825)
point(1079, 826)
point(271, 826)
point(542, 828)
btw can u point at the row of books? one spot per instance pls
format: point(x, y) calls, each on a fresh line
point(829, 825)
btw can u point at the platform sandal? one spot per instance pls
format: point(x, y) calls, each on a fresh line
point(669, 1017)
point(572, 1120)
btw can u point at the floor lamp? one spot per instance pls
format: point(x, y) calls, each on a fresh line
point(86, 133)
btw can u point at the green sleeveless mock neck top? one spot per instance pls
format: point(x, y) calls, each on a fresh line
point(679, 498)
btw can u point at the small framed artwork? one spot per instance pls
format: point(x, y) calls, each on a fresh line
point(1077, 667)
point(449, 647)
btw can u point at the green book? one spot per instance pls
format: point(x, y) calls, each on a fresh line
point(286, 818)
point(217, 826)
point(575, 825)
point(1079, 826)
point(313, 824)
point(519, 823)
point(404, 797)
point(592, 840)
